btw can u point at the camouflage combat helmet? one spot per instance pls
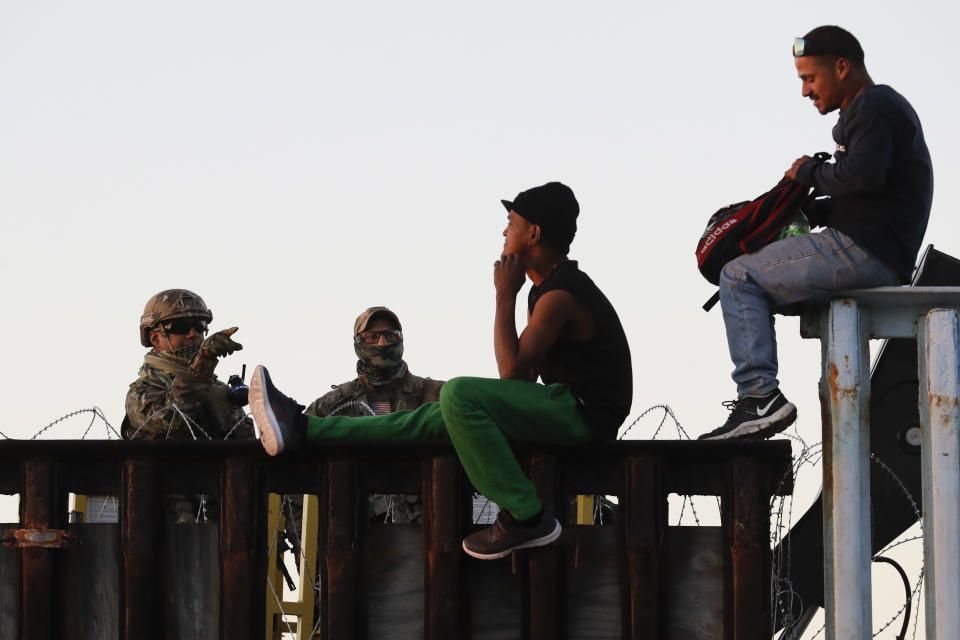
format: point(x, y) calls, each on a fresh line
point(168, 305)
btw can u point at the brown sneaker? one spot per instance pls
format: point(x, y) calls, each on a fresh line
point(505, 535)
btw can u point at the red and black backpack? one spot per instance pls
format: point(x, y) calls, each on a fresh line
point(747, 226)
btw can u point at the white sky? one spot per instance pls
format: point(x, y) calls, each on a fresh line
point(296, 162)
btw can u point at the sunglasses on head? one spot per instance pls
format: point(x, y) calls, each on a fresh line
point(799, 46)
point(390, 336)
point(806, 47)
point(182, 326)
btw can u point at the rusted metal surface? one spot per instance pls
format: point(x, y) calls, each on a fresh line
point(844, 325)
point(39, 507)
point(242, 551)
point(846, 461)
point(10, 588)
point(939, 368)
point(643, 538)
point(142, 586)
point(93, 466)
point(342, 617)
point(441, 546)
point(546, 606)
point(37, 538)
point(749, 551)
point(640, 473)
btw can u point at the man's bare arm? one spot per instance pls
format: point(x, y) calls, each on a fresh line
point(519, 358)
point(508, 278)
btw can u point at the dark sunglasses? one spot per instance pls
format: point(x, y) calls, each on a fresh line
point(390, 336)
point(182, 326)
point(799, 46)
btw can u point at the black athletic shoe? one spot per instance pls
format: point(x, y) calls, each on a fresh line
point(279, 419)
point(505, 535)
point(755, 418)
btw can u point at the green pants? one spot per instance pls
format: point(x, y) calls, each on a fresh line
point(481, 416)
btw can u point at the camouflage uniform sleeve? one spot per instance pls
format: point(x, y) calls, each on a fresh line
point(321, 406)
point(234, 424)
point(316, 408)
point(150, 407)
point(190, 392)
point(325, 404)
point(240, 429)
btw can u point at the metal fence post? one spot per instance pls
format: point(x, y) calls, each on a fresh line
point(643, 537)
point(939, 370)
point(345, 604)
point(442, 554)
point(544, 571)
point(845, 392)
point(749, 550)
point(39, 512)
point(242, 551)
point(141, 505)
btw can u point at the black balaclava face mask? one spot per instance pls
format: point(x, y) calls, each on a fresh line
point(185, 353)
point(380, 364)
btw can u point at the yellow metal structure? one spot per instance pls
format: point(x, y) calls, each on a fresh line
point(585, 505)
point(80, 506)
point(279, 609)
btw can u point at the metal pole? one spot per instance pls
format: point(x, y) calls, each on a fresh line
point(546, 606)
point(643, 535)
point(441, 549)
point(345, 605)
point(143, 599)
point(39, 512)
point(845, 390)
point(749, 550)
point(939, 370)
point(242, 552)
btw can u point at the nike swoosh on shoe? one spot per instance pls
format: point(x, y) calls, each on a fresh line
point(762, 411)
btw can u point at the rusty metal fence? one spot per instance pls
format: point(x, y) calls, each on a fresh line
point(546, 593)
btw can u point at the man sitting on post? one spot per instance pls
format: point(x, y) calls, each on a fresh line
point(880, 188)
point(573, 342)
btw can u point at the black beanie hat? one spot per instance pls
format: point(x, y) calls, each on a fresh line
point(552, 206)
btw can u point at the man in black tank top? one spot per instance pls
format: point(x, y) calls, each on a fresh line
point(598, 370)
point(573, 342)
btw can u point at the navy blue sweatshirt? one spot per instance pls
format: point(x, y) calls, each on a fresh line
point(881, 182)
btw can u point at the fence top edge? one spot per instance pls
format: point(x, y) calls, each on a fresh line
point(99, 451)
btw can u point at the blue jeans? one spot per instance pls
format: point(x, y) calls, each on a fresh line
point(806, 267)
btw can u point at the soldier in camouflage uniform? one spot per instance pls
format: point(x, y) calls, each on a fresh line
point(383, 384)
point(177, 395)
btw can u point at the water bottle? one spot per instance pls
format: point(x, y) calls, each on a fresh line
point(798, 226)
